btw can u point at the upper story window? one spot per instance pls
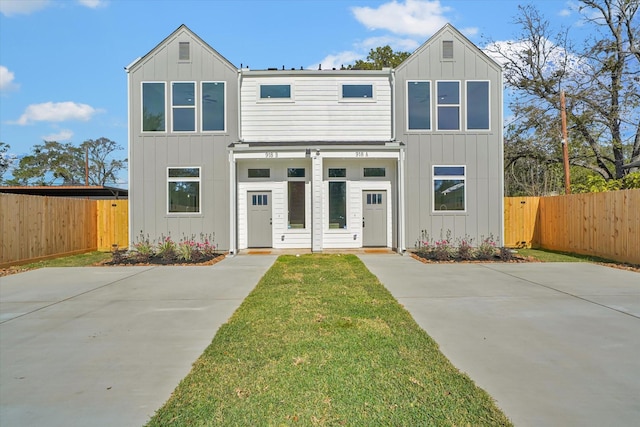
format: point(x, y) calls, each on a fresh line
point(213, 106)
point(447, 49)
point(183, 51)
point(448, 102)
point(275, 91)
point(478, 105)
point(153, 107)
point(183, 101)
point(418, 105)
point(357, 91)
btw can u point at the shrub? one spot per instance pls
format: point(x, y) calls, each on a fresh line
point(143, 248)
point(465, 249)
point(167, 249)
point(487, 248)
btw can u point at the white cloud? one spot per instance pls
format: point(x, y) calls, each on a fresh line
point(56, 112)
point(415, 17)
point(6, 79)
point(509, 51)
point(337, 60)
point(93, 4)
point(408, 45)
point(24, 7)
point(564, 12)
point(63, 135)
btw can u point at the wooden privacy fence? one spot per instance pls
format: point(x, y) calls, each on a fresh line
point(34, 228)
point(602, 224)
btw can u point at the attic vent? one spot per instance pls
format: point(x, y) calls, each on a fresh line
point(447, 49)
point(183, 51)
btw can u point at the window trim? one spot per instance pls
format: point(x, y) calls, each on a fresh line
point(466, 109)
point(409, 130)
point(164, 85)
point(185, 179)
point(342, 98)
point(194, 107)
point(458, 106)
point(224, 115)
point(259, 177)
point(259, 99)
point(346, 205)
point(445, 177)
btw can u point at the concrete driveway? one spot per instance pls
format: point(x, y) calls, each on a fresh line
point(554, 344)
point(106, 346)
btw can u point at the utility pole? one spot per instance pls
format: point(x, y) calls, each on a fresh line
point(565, 145)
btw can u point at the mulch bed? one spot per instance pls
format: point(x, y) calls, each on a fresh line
point(514, 259)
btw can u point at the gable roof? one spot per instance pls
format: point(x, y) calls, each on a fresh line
point(434, 37)
point(181, 29)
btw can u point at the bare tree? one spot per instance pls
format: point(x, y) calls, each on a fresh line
point(601, 80)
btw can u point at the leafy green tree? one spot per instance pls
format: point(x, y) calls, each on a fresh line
point(54, 163)
point(379, 58)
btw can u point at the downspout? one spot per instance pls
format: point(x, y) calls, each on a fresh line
point(240, 105)
point(129, 152)
point(393, 104)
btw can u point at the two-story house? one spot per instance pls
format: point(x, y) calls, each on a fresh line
point(315, 159)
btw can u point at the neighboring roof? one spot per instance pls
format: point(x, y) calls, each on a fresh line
point(92, 191)
point(170, 36)
point(462, 36)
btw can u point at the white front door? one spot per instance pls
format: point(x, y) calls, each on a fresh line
point(374, 218)
point(259, 219)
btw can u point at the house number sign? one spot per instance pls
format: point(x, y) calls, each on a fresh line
point(362, 154)
point(271, 155)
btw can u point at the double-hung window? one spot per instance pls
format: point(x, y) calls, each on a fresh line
point(153, 107)
point(477, 100)
point(183, 102)
point(296, 198)
point(449, 183)
point(448, 102)
point(213, 106)
point(418, 105)
point(183, 190)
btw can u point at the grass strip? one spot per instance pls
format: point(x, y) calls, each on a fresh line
point(546, 255)
point(320, 341)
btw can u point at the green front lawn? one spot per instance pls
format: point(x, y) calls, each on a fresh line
point(554, 256)
point(321, 342)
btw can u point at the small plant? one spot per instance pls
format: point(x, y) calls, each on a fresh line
point(443, 251)
point(487, 248)
point(143, 248)
point(465, 249)
point(166, 249)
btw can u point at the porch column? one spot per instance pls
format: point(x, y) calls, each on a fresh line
point(316, 202)
point(233, 193)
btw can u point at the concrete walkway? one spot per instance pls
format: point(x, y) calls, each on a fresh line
point(554, 344)
point(107, 346)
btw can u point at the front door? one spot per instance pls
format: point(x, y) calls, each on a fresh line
point(259, 219)
point(374, 218)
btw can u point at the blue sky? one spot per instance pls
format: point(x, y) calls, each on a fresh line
point(62, 61)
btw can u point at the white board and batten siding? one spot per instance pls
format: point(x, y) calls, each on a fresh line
point(316, 110)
